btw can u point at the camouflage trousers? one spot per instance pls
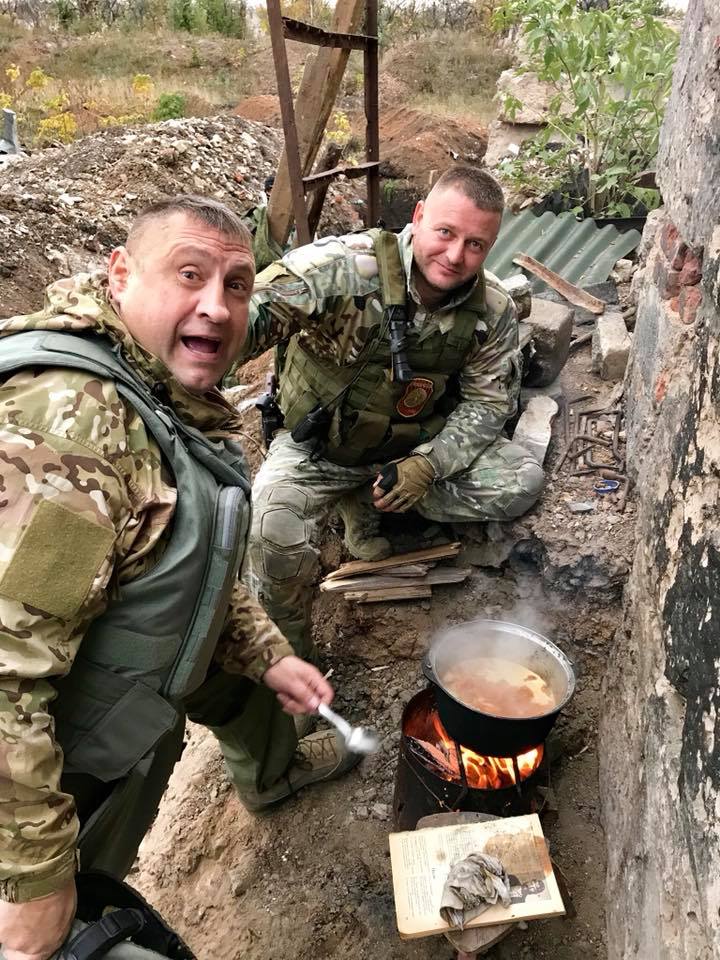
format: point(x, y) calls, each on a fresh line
point(293, 495)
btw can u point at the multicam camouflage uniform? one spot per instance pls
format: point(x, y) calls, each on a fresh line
point(69, 439)
point(327, 295)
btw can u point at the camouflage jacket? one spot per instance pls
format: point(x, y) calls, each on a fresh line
point(72, 439)
point(323, 293)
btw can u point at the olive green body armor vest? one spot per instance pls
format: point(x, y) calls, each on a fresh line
point(373, 418)
point(122, 698)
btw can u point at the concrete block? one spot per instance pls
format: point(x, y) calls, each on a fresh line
point(610, 346)
point(552, 325)
point(517, 285)
point(553, 390)
point(534, 428)
point(505, 139)
point(534, 95)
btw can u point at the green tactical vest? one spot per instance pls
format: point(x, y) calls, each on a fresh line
point(377, 419)
point(122, 699)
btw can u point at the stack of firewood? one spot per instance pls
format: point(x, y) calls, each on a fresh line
point(404, 576)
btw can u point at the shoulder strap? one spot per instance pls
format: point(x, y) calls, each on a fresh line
point(97, 939)
point(98, 355)
point(390, 270)
point(476, 301)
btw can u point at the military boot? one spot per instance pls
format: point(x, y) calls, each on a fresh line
point(320, 756)
point(362, 527)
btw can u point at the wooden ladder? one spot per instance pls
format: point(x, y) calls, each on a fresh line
point(300, 182)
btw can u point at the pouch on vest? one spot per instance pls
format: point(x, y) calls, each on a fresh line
point(374, 417)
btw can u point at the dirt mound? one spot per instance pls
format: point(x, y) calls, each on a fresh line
point(391, 91)
point(264, 108)
point(415, 143)
point(63, 209)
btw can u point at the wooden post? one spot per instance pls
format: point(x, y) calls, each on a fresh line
point(329, 159)
point(372, 107)
point(315, 100)
point(291, 155)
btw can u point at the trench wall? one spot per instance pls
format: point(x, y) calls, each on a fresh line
point(660, 735)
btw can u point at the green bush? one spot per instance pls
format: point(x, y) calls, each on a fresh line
point(170, 106)
point(188, 15)
point(612, 74)
point(226, 17)
point(66, 12)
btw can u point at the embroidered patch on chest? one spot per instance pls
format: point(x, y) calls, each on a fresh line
point(417, 393)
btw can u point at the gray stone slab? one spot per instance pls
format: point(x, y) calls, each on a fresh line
point(610, 346)
point(553, 390)
point(534, 428)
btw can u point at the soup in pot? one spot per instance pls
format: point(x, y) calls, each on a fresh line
point(499, 687)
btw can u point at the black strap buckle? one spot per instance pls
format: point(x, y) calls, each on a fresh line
point(98, 938)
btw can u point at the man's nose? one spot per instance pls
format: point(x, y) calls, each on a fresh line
point(213, 301)
point(455, 251)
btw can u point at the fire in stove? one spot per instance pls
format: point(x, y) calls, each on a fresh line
point(435, 774)
point(428, 741)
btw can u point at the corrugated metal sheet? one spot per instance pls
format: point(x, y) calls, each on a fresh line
point(578, 250)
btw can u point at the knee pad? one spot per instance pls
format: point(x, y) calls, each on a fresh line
point(282, 533)
point(531, 479)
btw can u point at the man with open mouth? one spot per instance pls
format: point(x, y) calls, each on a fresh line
point(124, 509)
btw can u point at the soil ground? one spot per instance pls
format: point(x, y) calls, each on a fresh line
point(313, 878)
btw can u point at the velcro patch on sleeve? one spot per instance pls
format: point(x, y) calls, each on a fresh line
point(54, 564)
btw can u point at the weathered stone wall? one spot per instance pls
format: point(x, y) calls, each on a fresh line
point(660, 737)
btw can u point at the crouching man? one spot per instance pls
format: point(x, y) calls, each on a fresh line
point(398, 368)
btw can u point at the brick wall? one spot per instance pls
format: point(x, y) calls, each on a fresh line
point(677, 274)
point(660, 733)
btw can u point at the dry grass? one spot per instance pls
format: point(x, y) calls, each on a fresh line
point(449, 73)
point(479, 109)
point(445, 73)
point(94, 74)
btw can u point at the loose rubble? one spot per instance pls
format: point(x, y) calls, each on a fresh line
point(63, 209)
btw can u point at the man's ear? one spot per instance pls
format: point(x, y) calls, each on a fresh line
point(418, 212)
point(119, 268)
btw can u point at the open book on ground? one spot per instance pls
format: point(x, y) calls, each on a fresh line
point(421, 861)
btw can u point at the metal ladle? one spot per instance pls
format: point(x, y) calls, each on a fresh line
point(357, 739)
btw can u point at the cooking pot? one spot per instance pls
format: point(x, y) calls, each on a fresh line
point(486, 734)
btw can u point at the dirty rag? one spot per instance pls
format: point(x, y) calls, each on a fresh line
point(473, 885)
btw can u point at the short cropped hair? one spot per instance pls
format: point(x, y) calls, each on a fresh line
point(477, 185)
point(210, 212)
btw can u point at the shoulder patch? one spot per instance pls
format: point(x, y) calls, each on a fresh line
point(56, 560)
